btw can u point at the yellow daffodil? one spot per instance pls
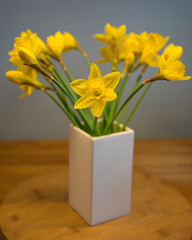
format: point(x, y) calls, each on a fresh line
point(55, 45)
point(28, 82)
point(152, 43)
point(127, 53)
point(169, 66)
point(149, 56)
point(95, 91)
point(69, 42)
point(138, 41)
point(31, 42)
point(113, 35)
point(158, 41)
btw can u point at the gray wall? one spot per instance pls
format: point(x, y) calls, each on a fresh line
point(166, 111)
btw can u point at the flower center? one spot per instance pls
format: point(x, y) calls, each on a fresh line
point(95, 88)
point(97, 92)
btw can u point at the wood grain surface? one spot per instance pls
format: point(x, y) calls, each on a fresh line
point(167, 162)
point(38, 209)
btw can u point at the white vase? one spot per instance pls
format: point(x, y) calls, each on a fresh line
point(100, 173)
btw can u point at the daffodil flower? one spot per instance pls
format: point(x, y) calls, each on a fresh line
point(33, 43)
point(28, 82)
point(55, 45)
point(112, 36)
point(170, 68)
point(69, 42)
point(158, 40)
point(95, 91)
point(154, 43)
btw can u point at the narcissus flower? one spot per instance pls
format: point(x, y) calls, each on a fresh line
point(149, 56)
point(28, 82)
point(33, 43)
point(152, 43)
point(95, 91)
point(112, 36)
point(69, 42)
point(169, 66)
point(55, 45)
point(158, 41)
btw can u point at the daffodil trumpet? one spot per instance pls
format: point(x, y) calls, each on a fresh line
point(84, 101)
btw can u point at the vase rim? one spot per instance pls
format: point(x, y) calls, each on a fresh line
point(127, 131)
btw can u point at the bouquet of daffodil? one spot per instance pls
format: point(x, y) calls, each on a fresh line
point(84, 101)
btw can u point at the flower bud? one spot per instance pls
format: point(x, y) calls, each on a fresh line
point(16, 77)
point(27, 56)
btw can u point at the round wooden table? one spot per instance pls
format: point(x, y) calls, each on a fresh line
point(38, 209)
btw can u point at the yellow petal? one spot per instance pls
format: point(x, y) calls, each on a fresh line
point(109, 95)
point(101, 38)
point(84, 102)
point(97, 108)
point(69, 42)
point(106, 53)
point(172, 50)
point(79, 86)
point(121, 31)
point(109, 30)
point(111, 80)
point(56, 44)
point(28, 90)
point(94, 72)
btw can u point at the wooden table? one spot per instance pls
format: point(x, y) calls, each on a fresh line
point(167, 161)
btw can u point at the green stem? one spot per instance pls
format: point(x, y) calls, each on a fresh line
point(68, 75)
point(62, 84)
point(94, 127)
point(122, 106)
point(62, 107)
point(135, 107)
point(81, 112)
point(121, 89)
point(134, 87)
point(87, 60)
point(139, 77)
point(64, 90)
point(61, 97)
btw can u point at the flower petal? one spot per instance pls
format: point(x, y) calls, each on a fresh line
point(121, 31)
point(109, 95)
point(79, 86)
point(172, 50)
point(111, 80)
point(97, 108)
point(94, 72)
point(101, 38)
point(110, 30)
point(84, 102)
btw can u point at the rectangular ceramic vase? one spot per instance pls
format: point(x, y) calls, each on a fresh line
point(100, 173)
